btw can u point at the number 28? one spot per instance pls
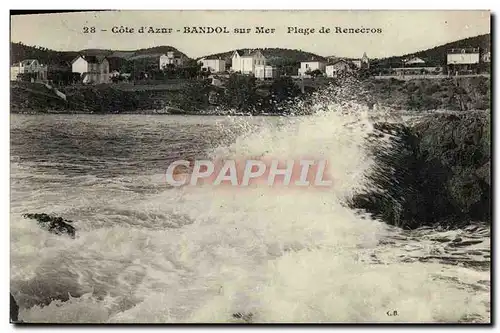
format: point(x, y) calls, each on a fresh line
point(87, 30)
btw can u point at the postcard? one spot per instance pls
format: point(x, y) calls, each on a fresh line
point(250, 167)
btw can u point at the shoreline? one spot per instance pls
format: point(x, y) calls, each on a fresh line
point(148, 112)
point(156, 113)
point(418, 96)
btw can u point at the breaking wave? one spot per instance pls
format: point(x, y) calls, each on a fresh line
point(255, 255)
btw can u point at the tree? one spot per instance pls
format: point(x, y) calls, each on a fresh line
point(240, 92)
point(316, 73)
point(284, 89)
point(195, 95)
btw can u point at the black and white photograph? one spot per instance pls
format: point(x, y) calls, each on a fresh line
point(250, 167)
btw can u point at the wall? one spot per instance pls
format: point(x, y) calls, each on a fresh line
point(311, 66)
point(247, 65)
point(163, 61)
point(235, 63)
point(14, 71)
point(214, 65)
point(462, 58)
point(80, 66)
point(332, 70)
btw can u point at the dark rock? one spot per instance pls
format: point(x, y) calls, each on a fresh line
point(435, 173)
point(14, 310)
point(54, 224)
point(465, 243)
point(441, 239)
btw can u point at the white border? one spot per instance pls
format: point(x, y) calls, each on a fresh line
point(184, 4)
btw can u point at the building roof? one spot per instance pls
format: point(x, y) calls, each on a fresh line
point(337, 61)
point(93, 59)
point(314, 59)
point(464, 50)
point(27, 62)
point(212, 57)
point(247, 53)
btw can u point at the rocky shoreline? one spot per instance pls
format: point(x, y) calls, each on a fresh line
point(436, 173)
point(244, 94)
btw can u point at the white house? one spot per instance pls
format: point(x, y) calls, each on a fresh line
point(357, 63)
point(171, 58)
point(213, 64)
point(464, 60)
point(307, 67)
point(32, 66)
point(362, 62)
point(486, 57)
point(93, 69)
point(463, 56)
point(245, 61)
point(14, 71)
point(339, 66)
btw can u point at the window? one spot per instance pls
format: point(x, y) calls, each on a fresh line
point(307, 65)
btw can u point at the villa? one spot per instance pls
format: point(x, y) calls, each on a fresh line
point(245, 61)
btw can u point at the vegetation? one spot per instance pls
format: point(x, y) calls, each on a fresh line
point(427, 94)
point(240, 93)
point(36, 97)
point(20, 52)
point(436, 173)
point(436, 56)
point(195, 96)
point(118, 60)
point(283, 90)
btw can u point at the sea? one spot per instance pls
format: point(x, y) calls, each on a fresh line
point(146, 252)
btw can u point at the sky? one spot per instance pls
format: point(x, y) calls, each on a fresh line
point(399, 32)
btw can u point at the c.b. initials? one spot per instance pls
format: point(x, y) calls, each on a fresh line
point(392, 313)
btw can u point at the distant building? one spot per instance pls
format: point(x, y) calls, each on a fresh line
point(463, 61)
point(266, 72)
point(338, 66)
point(213, 64)
point(357, 63)
point(414, 61)
point(93, 69)
point(486, 56)
point(14, 71)
point(365, 61)
point(29, 66)
point(361, 63)
point(245, 61)
point(171, 58)
point(311, 65)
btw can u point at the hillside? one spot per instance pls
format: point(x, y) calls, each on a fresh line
point(436, 56)
point(275, 56)
point(19, 52)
